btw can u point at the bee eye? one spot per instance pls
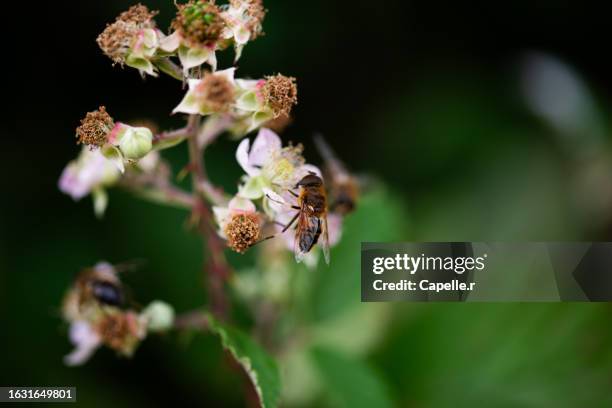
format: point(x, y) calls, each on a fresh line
point(107, 293)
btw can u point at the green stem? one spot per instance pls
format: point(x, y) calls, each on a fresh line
point(168, 67)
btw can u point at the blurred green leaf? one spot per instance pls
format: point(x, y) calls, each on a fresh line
point(350, 383)
point(258, 364)
point(380, 216)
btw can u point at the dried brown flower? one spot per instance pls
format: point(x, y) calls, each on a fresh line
point(256, 13)
point(217, 92)
point(117, 38)
point(95, 128)
point(242, 231)
point(199, 22)
point(120, 331)
point(280, 93)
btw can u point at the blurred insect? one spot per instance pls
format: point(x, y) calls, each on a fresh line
point(311, 217)
point(343, 187)
point(101, 283)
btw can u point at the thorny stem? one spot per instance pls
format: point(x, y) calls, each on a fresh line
point(216, 268)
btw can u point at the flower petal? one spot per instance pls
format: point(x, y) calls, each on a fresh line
point(242, 156)
point(171, 42)
point(193, 56)
point(253, 188)
point(241, 204)
point(85, 340)
point(266, 143)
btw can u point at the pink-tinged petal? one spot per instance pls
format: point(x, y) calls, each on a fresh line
point(241, 204)
point(85, 340)
point(70, 183)
point(241, 34)
point(242, 156)
point(266, 143)
point(171, 42)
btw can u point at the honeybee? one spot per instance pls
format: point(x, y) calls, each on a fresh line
point(344, 188)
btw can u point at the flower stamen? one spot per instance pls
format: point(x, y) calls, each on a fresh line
point(199, 22)
point(280, 93)
point(95, 128)
point(242, 231)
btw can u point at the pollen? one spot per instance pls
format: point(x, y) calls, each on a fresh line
point(216, 92)
point(199, 22)
point(117, 38)
point(95, 128)
point(280, 94)
point(242, 231)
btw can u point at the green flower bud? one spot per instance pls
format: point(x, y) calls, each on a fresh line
point(159, 316)
point(135, 142)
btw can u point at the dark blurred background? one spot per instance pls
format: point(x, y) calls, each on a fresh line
point(426, 96)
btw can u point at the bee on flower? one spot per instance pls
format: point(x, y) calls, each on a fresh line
point(93, 309)
point(132, 39)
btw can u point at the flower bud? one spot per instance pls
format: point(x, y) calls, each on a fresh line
point(159, 316)
point(135, 142)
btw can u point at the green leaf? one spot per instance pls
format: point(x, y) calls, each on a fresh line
point(258, 364)
point(350, 383)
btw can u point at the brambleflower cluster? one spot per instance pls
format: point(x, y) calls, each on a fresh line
point(92, 307)
point(280, 198)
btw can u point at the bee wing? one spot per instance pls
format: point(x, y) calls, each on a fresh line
point(324, 241)
point(305, 235)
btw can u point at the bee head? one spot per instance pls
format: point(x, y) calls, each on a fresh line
point(311, 180)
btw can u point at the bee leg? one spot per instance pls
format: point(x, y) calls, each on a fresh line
point(291, 222)
point(295, 207)
point(293, 193)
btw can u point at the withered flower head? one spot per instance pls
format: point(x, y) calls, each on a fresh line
point(242, 231)
point(217, 92)
point(95, 128)
point(280, 93)
point(117, 38)
point(199, 22)
point(120, 331)
point(256, 13)
point(140, 15)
